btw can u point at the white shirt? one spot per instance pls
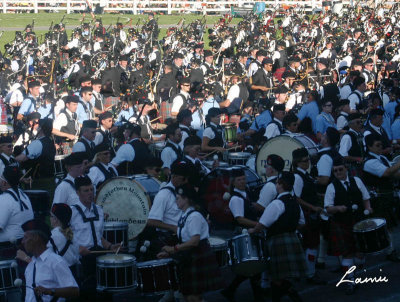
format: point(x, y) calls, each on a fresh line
point(272, 129)
point(96, 176)
point(98, 139)
point(2, 166)
point(233, 92)
point(341, 121)
point(329, 199)
point(79, 146)
point(16, 96)
point(236, 204)
point(65, 192)
point(375, 166)
point(274, 210)
point(82, 231)
point(51, 272)
point(71, 256)
point(345, 91)
point(23, 138)
point(164, 207)
point(324, 165)
point(298, 183)
point(125, 153)
point(184, 135)
point(168, 155)
point(195, 225)
point(178, 101)
point(354, 100)
point(267, 193)
point(253, 68)
point(61, 121)
point(345, 144)
point(11, 216)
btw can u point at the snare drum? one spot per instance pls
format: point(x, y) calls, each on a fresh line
point(8, 274)
point(40, 200)
point(115, 272)
point(371, 235)
point(247, 254)
point(209, 164)
point(230, 132)
point(220, 248)
point(157, 276)
point(116, 232)
point(156, 149)
point(238, 158)
point(150, 184)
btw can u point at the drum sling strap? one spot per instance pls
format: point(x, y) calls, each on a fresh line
point(22, 205)
point(178, 151)
point(64, 250)
point(68, 181)
point(91, 220)
point(181, 224)
point(169, 189)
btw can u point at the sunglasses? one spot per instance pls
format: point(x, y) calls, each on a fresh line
point(338, 170)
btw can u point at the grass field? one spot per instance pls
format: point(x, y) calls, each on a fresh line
point(45, 20)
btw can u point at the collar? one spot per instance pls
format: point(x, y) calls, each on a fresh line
point(271, 177)
point(282, 194)
point(43, 256)
point(347, 179)
point(183, 126)
point(186, 94)
point(241, 192)
point(301, 170)
point(6, 156)
point(170, 185)
point(352, 130)
point(344, 113)
point(211, 123)
point(87, 140)
point(191, 159)
point(84, 208)
point(324, 149)
point(374, 155)
point(68, 111)
point(176, 145)
point(102, 128)
point(275, 119)
point(187, 211)
point(377, 129)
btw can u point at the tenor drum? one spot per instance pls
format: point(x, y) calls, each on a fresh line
point(115, 272)
point(59, 167)
point(125, 200)
point(157, 276)
point(9, 273)
point(230, 130)
point(11, 295)
point(116, 232)
point(150, 184)
point(210, 163)
point(283, 146)
point(220, 248)
point(40, 201)
point(371, 235)
point(212, 189)
point(247, 254)
point(238, 158)
point(156, 149)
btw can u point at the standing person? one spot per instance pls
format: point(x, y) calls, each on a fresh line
point(306, 193)
point(172, 151)
point(86, 142)
point(213, 135)
point(282, 217)
point(275, 127)
point(374, 126)
point(310, 109)
point(181, 99)
point(28, 134)
point(6, 149)
point(31, 102)
point(47, 275)
point(102, 170)
point(342, 195)
point(104, 132)
point(16, 209)
point(184, 119)
point(325, 119)
point(244, 217)
point(378, 175)
point(199, 270)
point(85, 110)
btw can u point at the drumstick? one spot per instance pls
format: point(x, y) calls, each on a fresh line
point(99, 252)
point(23, 176)
point(116, 253)
point(157, 118)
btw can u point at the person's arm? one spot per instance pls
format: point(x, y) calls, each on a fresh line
point(62, 292)
point(205, 147)
point(193, 242)
point(248, 223)
point(21, 158)
point(161, 225)
point(393, 171)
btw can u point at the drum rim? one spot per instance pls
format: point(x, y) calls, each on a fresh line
point(232, 154)
point(369, 230)
point(111, 224)
point(5, 262)
point(222, 244)
point(101, 260)
point(146, 264)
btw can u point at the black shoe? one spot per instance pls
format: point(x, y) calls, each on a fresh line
point(230, 296)
point(350, 289)
point(393, 257)
point(320, 265)
point(316, 280)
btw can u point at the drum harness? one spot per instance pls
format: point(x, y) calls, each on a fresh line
point(90, 220)
point(64, 250)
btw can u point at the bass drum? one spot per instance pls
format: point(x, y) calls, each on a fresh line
point(283, 146)
point(125, 200)
point(150, 184)
point(213, 187)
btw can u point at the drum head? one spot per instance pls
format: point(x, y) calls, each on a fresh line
point(239, 155)
point(125, 200)
point(368, 224)
point(152, 263)
point(283, 146)
point(112, 258)
point(150, 184)
point(216, 241)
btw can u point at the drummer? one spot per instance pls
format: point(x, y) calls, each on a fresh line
point(306, 193)
point(172, 151)
point(198, 268)
point(16, 209)
point(213, 135)
point(184, 119)
point(87, 223)
point(281, 218)
point(245, 217)
point(102, 170)
point(65, 191)
point(86, 141)
point(378, 174)
point(344, 198)
point(275, 127)
point(273, 166)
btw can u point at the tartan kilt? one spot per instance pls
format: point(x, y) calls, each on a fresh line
point(383, 208)
point(341, 239)
point(65, 148)
point(287, 258)
point(165, 111)
point(202, 273)
point(311, 230)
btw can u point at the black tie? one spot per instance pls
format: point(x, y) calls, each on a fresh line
point(74, 116)
point(12, 160)
point(111, 170)
point(92, 146)
point(384, 161)
point(198, 165)
point(347, 185)
point(37, 297)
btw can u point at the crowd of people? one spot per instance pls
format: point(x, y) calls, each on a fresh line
point(101, 102)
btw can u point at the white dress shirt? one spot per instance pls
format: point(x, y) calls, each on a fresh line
point(51, 272)
point(65, 192)
point(345, 144)
point(80, 147)
point(168, 155)
point(267, 193)
point(195, 225)
point(329, 199)
point(325, 163)
point(96, 176)
point(164, 207)
point(272, 129)
point(236, 204)
point(125, 153)
point(71, 256)
point(375, 166)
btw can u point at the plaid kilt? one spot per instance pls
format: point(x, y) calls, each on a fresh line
point(341, 239)
point(201, 273)
point(165, 111)
point(65, 148)
point(383, 208)
point(311, 230)
point(287, 258)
